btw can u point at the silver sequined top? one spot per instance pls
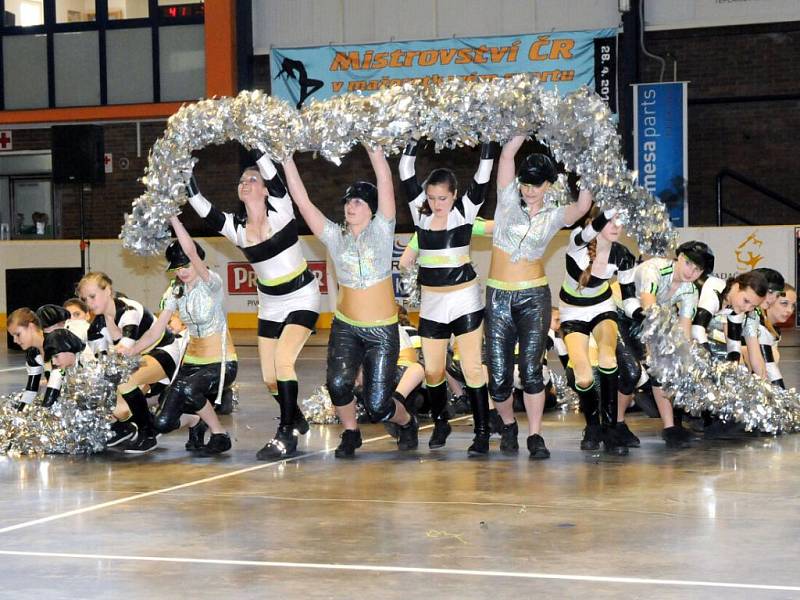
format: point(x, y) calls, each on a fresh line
point(517, 232)
point(654, 276)
point(201, 308)
point(363, 260)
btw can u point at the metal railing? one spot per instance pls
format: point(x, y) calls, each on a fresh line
point(743, 179)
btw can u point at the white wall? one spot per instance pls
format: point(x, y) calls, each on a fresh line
point(676, 14)
point(294, 23)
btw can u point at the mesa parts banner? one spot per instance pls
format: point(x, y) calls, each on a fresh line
point(566, 59)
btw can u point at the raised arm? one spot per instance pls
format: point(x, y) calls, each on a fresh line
point(591, 231)
point(479, 186)
point(213, 217)
point(506, 167)
point(408, 174)
point(576, 210)
point(189, 248)
point(383, 177)
point(312, 215)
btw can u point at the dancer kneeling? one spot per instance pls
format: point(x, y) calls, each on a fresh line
point(210, 363)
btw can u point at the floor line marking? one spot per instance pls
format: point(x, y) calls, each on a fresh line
point(415, 570)
point(188, 484)
point(12, 369)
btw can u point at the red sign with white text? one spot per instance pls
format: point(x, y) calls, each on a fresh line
point(242, 278)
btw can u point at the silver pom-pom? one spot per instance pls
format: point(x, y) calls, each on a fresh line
point(409, 285)
point(77, 423)
point(578, 129)
point(700, 383)
point(318, 407)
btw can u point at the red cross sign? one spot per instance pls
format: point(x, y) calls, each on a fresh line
point(5, 139)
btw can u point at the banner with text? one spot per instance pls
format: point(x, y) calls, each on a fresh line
point(661, 157)
point(567, 59)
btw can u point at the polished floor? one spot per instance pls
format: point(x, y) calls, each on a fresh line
point(719, 520)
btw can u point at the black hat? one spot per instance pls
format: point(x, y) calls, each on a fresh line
point(365, 191)
point(177, 258)
point(775, 281)
point(699, 253)
point(52, 314)
point(61, 340)
point(536, 169)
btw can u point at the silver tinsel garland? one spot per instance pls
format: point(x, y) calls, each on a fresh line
point(77, 423)
point(578, 129)
point(698, 382)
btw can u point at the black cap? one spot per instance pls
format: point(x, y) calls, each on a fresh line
point(52, 314)
point(536, 169)
point(177, 258)
point(364, 190)
point(699, 253)
point(775, 281)
point(61, 340)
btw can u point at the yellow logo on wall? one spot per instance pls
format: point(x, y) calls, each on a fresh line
point(748, 253)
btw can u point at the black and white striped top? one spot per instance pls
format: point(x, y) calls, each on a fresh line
point(133, 320)
point(711, 304)
point(621, 263)
point(756, 326)
point(277, 261)
point(444, 257)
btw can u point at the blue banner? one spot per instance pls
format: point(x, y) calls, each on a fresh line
point(564, 59)
point(660, 140)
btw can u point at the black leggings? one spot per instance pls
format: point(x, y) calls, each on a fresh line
point(376, 350)
point(190, 391)
point(513, 315)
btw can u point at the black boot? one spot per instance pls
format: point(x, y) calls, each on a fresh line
point(291, 415)
point(509, 445)
point(407, 438)
point(590, 408)
point(479, 403)
point(437, 396)
point(609, 403)
point(197, 436)
point(145, 439)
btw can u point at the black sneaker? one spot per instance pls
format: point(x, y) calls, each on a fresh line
point(142, 444)
point(592, 436)
point(408, 438)
point(675, 437)
point(508, 439)
point(626, 437)
point(611, 444)
point(217, 444)
point(537, 447)
point(197, 436)
point(441, 429)
point(281, 446)
point(121, 431)
point(351, 439)
point(479, 446)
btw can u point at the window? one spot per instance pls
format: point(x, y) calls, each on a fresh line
point(75, 11)
point(24, 13)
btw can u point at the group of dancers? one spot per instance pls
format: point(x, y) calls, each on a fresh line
point(508, 330)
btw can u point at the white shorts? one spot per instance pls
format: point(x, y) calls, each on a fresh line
point(446, 307)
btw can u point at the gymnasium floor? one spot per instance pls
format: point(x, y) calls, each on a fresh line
point(719, 520)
